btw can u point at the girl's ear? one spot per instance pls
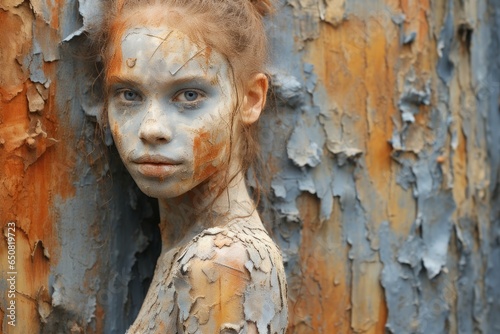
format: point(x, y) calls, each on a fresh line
point(254, 98)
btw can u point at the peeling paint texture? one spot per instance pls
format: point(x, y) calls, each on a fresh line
point(225, 279)
point(382, 147)
point(384, 201)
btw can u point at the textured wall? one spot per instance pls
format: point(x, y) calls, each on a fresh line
point(80, 220)
point(381, 138)
point(387, 206)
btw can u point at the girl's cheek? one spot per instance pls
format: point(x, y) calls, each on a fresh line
point(208, 155)
point(120, 131)
point(115, 131)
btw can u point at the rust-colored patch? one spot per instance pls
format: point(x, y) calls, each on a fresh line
point(224, 296)
point(206, 149)
point(416, 21)
point(14, 43)
point(99, 318)
point(32, 269)
point(380, 82)
point(54, 18)
point(115, 61)
point(35, 176)
point(363, 67)
point(401, 207)
point(208, 55)
point(229, 285)
point(319, 299)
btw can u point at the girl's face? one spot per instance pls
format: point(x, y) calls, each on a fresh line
point(170, 106)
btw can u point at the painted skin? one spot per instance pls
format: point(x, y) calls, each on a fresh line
point(170, 106)
point(168, 100)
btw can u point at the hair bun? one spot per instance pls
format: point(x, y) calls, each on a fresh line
point(263, 7)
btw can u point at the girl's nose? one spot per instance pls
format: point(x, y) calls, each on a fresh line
point(154, 127)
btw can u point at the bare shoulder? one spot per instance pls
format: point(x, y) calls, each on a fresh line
point(231, 280)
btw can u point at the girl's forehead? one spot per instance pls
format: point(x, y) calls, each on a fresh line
point(164, 49)
point(162, 45)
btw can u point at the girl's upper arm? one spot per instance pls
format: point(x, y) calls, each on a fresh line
point(229, 285)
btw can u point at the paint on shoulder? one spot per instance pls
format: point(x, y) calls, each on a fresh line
point(232, 277)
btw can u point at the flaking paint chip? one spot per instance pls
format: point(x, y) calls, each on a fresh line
point(211, 273)
point(205, 248)
point(30, 142)
point(131, 62)
point(221, 241)
point(35, 100)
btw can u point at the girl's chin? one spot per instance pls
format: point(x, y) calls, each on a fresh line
point(162, 188)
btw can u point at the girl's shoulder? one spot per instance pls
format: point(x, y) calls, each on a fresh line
point(237, 245)
point(235, 267)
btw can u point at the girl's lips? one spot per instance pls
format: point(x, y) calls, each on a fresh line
point(155, 159)
point(156, 165)
point(157, 170)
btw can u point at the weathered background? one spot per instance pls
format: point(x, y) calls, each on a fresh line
point(383, 142)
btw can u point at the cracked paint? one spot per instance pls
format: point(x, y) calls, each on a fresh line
point(398, 106)
point(382, 144)
point(226, 279)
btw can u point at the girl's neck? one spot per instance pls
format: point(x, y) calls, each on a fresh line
point(181, 218)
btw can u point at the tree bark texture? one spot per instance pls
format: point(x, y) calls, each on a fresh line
point(382, 143)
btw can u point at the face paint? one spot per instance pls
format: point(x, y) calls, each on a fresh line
point(170, 109)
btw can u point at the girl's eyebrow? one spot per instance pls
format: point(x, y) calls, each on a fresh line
point(116, 79)
point(178, 80)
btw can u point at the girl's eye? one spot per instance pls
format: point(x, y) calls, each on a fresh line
point(130, 95)
point(189, 96)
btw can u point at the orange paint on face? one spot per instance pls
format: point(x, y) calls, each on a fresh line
point(115, 61)
point(206, 152)
point(118, 27)
point(195, 139)
point(207, 54)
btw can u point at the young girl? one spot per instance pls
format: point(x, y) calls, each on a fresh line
point(184, 89)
